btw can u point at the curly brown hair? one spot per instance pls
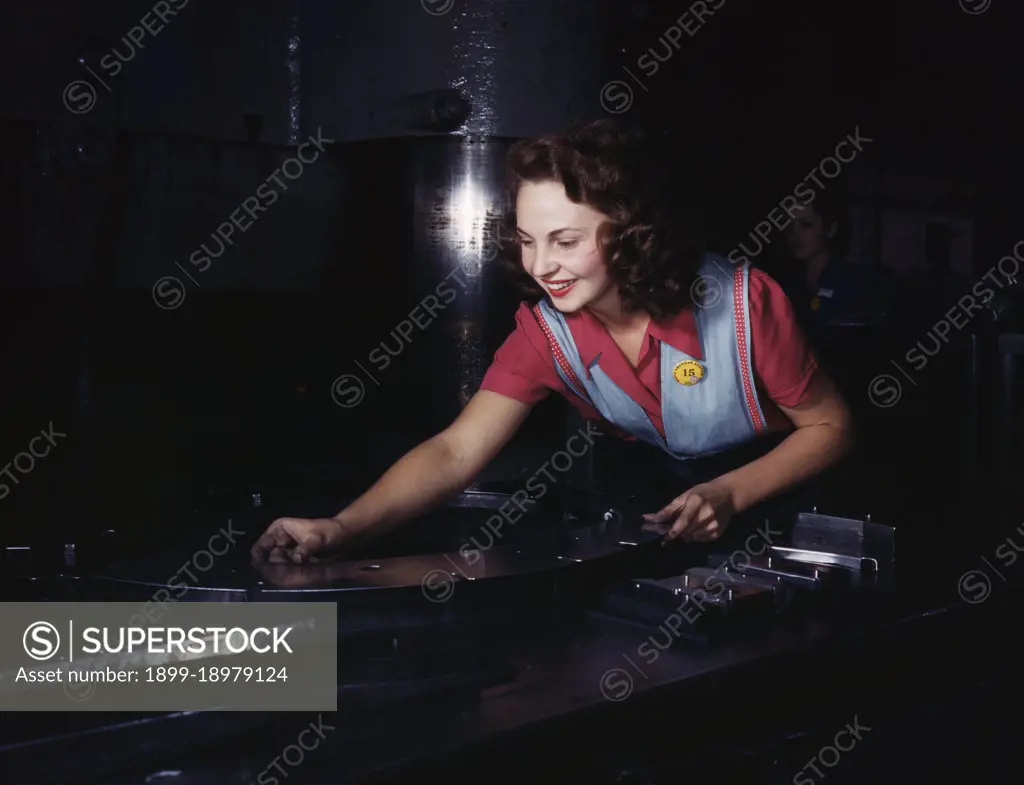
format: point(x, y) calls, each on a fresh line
point(649, 255)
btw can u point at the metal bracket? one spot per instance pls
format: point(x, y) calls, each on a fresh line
point(841, 542)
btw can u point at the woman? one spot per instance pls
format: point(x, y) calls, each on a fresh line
point(616, 331)
point(823, 288)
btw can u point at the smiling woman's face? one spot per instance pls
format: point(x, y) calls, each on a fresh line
point(559, 240)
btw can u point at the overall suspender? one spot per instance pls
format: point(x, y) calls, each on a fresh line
point(574, 381)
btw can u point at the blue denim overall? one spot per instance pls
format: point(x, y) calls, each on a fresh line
point(711, 426)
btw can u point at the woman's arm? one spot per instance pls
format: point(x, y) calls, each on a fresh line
point(440, 468)
point(824, 434)
point(424, 478)
point(791, 377)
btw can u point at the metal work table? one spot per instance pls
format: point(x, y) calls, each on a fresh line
point(731, 691)
point(715, 684)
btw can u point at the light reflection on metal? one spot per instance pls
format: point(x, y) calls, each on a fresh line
point(470, 209)
point(467, 208)
point(462, 330)
point(294, 65)
point(478, 41)
point(457, 189)
point(468, 219)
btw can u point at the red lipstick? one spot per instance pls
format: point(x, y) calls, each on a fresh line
point(562, 291)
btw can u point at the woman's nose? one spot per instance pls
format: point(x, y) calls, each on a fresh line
point(542, 265)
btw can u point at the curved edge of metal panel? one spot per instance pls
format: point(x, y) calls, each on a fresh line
point(266, 581)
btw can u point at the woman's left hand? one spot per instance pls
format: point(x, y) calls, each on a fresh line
point(700, 514)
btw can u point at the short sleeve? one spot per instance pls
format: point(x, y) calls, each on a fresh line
point(783, 360)
point(519, 370)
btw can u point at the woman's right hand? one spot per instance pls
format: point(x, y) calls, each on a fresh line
point(301, 540)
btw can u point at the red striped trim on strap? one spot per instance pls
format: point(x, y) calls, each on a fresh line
point(556, 350)
point(739, 297)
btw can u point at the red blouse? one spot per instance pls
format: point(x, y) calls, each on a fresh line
point(784, 364)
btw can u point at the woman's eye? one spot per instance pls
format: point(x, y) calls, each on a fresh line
point(568, 245)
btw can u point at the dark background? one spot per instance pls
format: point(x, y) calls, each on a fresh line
point(170, 410)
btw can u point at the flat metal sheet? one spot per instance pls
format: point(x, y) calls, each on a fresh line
point(603, 539)
point(407, 571)
point(234, 577)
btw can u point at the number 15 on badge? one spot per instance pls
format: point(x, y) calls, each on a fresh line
point(688, 372)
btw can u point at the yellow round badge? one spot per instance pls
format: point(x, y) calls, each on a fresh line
point(815, 303)
point(688, 372)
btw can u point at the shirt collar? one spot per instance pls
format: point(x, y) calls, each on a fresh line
point(592, 339)
point(679, 332)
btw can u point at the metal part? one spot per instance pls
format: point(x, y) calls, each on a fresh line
point(723, 594)
point(706, 576)
point(841, 542)
point(827, 558)
point(488, 500)
point(845, 561)
point(688, 604)
point(784, 570)
point(166, 777)
point(69, 554)
point(234, 578)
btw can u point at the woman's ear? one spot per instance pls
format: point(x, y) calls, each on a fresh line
point(833, 230)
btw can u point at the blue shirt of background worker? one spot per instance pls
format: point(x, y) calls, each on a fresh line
point(823, 288)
